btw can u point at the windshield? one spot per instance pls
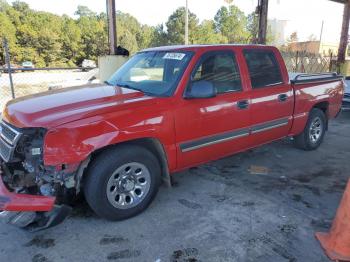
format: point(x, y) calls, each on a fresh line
point(154, 73)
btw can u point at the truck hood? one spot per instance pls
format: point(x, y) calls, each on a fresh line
point(57, 107)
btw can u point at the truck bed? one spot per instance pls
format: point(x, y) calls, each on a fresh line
point(302, 78)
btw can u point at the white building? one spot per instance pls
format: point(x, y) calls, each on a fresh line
point(278, 31)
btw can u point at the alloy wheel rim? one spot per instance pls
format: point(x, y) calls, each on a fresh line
point(316, 130)
point(128, 185)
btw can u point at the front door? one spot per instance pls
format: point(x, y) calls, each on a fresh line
point(209, 128)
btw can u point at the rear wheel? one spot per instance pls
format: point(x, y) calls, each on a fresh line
point(122, 182)
point(313, 134)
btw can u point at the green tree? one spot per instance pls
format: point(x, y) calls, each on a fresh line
point(206, 34)
point(128, 32)
point(8, 30)
point(92, 30)
point(293, 38)
point(71, 40)
point(160, 36)
point(93, 38)
point(232, 23)
point(176, 26)
point(50, 40)
point(145, 36)
point(21, 7)
point(312, 37)
point(253, 28)
point(83, 10)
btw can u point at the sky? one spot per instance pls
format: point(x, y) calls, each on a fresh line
point(303, 16)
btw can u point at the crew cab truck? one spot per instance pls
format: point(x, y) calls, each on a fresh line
point(167, 109)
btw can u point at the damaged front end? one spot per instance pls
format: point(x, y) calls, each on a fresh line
point(33, 195)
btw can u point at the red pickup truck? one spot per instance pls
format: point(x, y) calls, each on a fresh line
point(165, 110)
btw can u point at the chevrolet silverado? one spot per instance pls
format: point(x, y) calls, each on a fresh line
point(165, 110)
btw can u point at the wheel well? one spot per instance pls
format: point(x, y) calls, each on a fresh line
point(323, 106)
point(154, 146)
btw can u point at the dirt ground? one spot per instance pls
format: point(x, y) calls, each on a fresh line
point(215, 212)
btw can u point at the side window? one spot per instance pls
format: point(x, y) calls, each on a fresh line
point(221, 70)
point(263, 68)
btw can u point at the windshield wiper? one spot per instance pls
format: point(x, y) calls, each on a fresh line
point(108, 83)
point(134, 88)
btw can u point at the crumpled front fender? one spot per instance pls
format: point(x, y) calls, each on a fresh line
point(74, 142)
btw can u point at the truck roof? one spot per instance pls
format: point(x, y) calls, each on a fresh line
point(196, 47)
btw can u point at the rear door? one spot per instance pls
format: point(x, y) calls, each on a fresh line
point(210, 128)
point(272, 99)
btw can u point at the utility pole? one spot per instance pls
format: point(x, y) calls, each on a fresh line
point(8, 65)
point(186, 24)
point(263, 6)
point(112, 26)
point(344, 35)
point(321, 34)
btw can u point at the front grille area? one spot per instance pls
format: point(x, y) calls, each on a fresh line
point(5, 151)
point(9, 134)
point(8, 141)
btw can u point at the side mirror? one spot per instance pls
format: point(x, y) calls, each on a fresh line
point(200, 89)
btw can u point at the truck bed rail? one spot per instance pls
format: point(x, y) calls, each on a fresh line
point(315, 78)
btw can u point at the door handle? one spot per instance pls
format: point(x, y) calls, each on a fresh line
point(243, 104)
point(282, 97)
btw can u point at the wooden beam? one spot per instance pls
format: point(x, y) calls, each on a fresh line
point(186, 24)
point(112, 27)
point(262, 10)
point(344, 34)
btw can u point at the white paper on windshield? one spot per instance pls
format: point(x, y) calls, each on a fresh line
point(174, 56)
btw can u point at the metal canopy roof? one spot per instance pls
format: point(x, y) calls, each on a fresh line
point(340, 1)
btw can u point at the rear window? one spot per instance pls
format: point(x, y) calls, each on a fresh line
point(263, 68)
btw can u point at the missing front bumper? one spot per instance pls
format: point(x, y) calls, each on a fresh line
point(36, 221)
point(10, 201)
point(32, 212)
point(18, 219)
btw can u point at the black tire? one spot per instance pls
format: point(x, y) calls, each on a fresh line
point(304, 140)
point(100, 173)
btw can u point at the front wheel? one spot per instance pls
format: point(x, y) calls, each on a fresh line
point(121, 182)
point(314, 131)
